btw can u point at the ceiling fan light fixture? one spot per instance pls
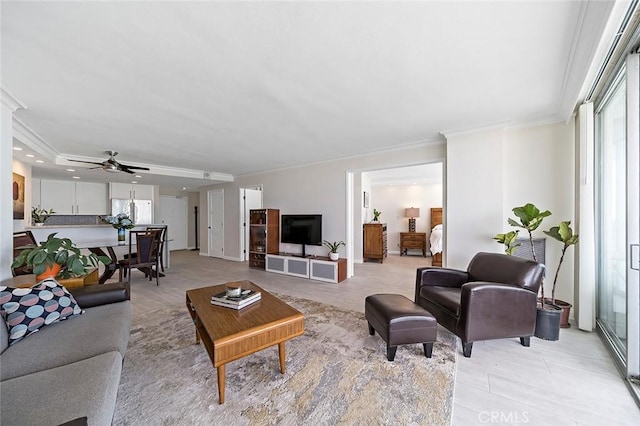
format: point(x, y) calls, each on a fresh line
point(111, 168)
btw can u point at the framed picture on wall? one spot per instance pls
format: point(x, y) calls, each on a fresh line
point(366, 200)
point(18, 196)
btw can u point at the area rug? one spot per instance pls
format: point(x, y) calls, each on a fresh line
point(336, 374)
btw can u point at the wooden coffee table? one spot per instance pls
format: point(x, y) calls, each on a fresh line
point(229, 334)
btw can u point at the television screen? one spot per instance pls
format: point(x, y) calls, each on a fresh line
point(302, 229)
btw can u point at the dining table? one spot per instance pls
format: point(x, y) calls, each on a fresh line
point(98, 247)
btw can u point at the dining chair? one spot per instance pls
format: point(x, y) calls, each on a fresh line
point(159, 232)
point(163, 238)
point(144, 256)
point(22, 239)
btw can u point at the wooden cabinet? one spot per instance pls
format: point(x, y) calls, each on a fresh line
point(413, 241)
point(130, 191)
point(374, 241)
point(73, 198)
point(264, 235)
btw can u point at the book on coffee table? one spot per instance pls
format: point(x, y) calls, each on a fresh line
point(247, 297)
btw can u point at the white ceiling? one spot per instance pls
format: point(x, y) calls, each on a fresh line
point(242, 87)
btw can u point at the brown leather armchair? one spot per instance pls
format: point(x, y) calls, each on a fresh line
point(494, 298)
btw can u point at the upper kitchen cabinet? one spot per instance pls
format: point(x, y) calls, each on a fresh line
point(130, 191)
point(35, 192)
point(78, 198)
point(91, 198)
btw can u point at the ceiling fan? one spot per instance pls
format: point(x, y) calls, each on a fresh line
point(111, 165)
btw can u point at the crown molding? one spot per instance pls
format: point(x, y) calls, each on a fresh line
point(11, 101)
point(33, 140)
point(154, 169)
point(462, 132)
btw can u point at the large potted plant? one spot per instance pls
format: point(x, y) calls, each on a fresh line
point(564, 234)
point(57, 257)
point(548, 315)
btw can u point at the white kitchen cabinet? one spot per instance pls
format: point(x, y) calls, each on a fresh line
point(68, 197)
point(35, 192)
point(91, 198)
point(130, 191)
point(59, 195)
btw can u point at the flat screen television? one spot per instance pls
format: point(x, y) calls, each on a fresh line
point(305, 229)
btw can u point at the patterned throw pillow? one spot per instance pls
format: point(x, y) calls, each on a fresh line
point(26, 310)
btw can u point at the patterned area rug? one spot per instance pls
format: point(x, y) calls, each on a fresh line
point(336, 374)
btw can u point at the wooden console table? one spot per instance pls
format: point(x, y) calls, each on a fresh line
point(413, 241)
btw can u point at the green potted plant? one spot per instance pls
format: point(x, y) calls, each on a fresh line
point(40, 215)
point(333, 248)
point(57, 257)
point(548, 315)
point(376, 215)
point(509, 241)
point(564, 234)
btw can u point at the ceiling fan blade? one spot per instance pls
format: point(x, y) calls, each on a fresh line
point(134, 167)
point(87, 162)
point(125, 169)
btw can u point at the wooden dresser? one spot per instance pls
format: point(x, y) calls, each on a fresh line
point(413, 241)
point(374, 241)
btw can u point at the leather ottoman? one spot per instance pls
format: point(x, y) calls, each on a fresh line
point(399, 321)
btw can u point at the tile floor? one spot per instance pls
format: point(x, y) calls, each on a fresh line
point(569, 382)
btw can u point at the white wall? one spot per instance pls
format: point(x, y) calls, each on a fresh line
point(8, 104)
point(539, 168)
point(24, 169)
point(317, 189)
point(391, 200)
point(491, 171)
point(473, 211)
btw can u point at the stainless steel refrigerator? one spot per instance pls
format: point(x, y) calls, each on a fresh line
point(140, 211)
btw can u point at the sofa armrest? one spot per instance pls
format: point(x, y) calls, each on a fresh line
point(494, 310)
point(443, 277)
point(97, 295)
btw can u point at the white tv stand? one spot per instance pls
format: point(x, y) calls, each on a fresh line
point(318, 268)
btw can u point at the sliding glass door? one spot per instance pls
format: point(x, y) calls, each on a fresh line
point(612, 262)
point(618, 218)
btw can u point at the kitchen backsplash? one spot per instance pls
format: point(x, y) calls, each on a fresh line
point(73, 220)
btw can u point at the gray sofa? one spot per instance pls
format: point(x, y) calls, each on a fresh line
point(68, 370)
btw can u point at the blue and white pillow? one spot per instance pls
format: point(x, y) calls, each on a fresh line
point(26, 310)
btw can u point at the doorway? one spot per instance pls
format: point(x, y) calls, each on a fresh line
point(250, 198)
point(390, 191)
point(215, 225)
point(173, 213)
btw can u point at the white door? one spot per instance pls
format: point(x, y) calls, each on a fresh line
point(173, 213)
point(215, 201)
point(250, 198)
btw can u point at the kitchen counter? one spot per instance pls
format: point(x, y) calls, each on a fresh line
point(67, 226)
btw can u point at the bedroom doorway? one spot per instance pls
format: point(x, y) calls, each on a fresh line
point(391, 191)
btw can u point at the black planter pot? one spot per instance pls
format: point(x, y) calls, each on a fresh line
point(548, 322)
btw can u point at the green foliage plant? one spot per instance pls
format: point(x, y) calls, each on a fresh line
point(333, 246)
point(61, 251)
